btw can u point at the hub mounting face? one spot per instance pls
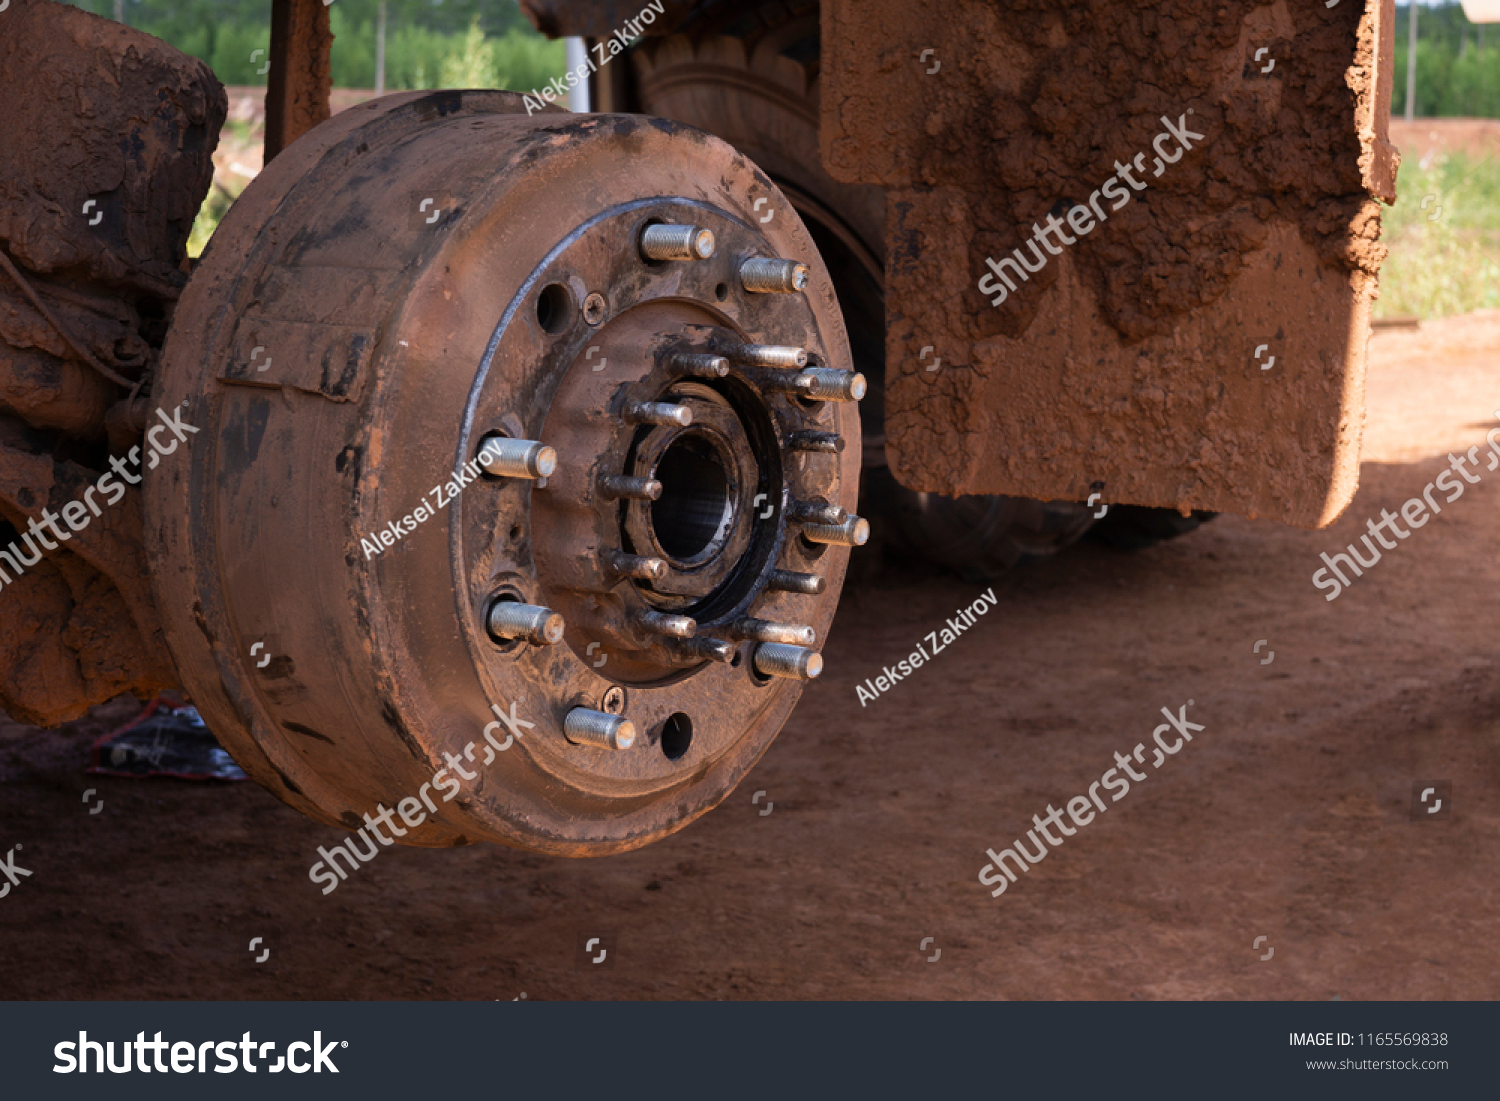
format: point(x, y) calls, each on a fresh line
point(549, 421)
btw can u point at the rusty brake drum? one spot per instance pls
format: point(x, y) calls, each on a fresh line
point(521, 492)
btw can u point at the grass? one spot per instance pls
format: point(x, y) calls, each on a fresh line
point(516, 61)
point(215, 205)
point(1444, 239)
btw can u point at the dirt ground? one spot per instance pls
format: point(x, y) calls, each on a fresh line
point(1421, 137)
point(1287, 817)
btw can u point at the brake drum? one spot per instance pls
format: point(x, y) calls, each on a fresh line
point(581, 641)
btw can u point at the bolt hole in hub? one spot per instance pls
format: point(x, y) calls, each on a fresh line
point(622, 558)
point(676, 736)
point(554, 308)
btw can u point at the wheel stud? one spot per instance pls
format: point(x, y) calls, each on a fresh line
point(811, 512)
point(659, 412)
point(763, 275)
point(503, 457)
point(584, 726)
point(763, 630)
point(789, 581)
point(853, 532)
point(673, 626)
point(669, 242)
point(826, 442)
point(711, 649)
point(768, 355)
point(817, 384)
point(635, 489)
point(509, 620)
point(635, 566)
point(827, 384)
point(698, 365)
point(774, 659)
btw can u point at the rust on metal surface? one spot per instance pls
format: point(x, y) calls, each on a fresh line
point(301, 76)
point(1128, 357)
point(297, 524)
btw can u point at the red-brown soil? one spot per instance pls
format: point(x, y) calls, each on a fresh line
point(1287, 817)
point(1473, 137)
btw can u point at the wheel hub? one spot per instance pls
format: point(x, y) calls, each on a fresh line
point(654, 379)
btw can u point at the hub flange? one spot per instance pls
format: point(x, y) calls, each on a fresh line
point(641, 482)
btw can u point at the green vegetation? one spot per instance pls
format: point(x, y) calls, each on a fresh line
point(215, 205)
point(442, 44)
point(1450, 84)
point(1445, 255)
point(518, 59)
point(1458, 64)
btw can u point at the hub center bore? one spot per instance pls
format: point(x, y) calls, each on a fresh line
point(712, 545)
point(692, 518)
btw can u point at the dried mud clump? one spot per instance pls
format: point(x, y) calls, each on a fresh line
point(108, 136)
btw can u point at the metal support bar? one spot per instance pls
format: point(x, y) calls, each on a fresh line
point(301, 77)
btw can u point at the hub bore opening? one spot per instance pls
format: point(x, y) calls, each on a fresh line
point(695, 511)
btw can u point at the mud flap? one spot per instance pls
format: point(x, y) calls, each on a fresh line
point(1133, 245)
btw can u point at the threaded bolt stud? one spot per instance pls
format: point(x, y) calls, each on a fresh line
point(510, 620)
point(636, 566)
point(585, 726)
point(659, 412)
point(698, 364)
point(812, 512)
point(762, 630)
point(673, 626)
point(775, 659)
point(764, 275)
point(853, 532)
point(789, 581)
point(806, 440)
point(634, 489)
point(769, 355)
point(710, 649)
point(668, 242)
point(827, 384)
point(503, 457)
